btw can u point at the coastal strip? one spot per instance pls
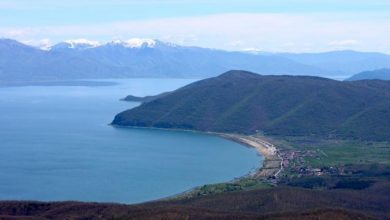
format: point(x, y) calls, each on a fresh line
point(264, 176)
point(273, 162)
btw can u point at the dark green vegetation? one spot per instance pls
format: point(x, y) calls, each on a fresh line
point(244, 102)
point(383, 74)
point(272, 203)
point(131, 98)
point(242, 184)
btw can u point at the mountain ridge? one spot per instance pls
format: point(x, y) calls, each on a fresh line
point(20, 62)
point(135, 58)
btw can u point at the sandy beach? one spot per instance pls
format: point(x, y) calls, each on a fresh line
point(272, 164)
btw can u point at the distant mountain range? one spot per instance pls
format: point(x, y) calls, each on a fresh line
point(245, 102)
point(342, 62)
point(83, 59)
point(382, 74)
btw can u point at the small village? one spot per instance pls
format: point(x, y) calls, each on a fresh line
point(295, 162)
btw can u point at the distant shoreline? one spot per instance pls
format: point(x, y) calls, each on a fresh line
point(85, 83)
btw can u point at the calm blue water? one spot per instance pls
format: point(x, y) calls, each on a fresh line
point(56, 144)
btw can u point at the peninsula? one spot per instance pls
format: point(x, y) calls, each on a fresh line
point(247, 103)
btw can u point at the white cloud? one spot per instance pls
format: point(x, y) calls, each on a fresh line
point(15, 33)
point(271, 32)
point(343, 43)
point(236, 43)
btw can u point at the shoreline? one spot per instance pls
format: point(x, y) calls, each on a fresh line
point(272, 163)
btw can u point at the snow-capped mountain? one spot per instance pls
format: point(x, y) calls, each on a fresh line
point(77, 59)
point(20, 62)
point(135, 43)
point(77, 44)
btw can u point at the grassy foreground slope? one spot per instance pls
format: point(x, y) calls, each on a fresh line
point(245, 102)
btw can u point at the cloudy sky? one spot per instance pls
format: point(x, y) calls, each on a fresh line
point(265, 25)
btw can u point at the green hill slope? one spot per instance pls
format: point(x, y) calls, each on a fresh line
point(244, 102)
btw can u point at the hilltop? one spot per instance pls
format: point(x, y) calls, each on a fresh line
point(382, 74)
point(247, 103)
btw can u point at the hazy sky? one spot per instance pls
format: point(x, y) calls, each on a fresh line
point(267, 25)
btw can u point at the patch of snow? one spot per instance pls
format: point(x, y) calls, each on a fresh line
point(136, 43)
point(82, 43)
point(45, 44)
point(252, 50)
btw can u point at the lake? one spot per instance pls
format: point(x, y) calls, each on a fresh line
point(56, 144)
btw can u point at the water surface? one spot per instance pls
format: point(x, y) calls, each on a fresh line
point(56, 144)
